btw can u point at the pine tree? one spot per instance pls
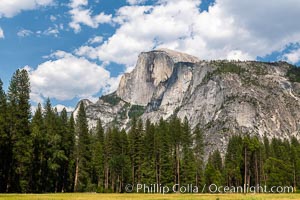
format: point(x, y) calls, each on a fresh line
point(255, 148)
point(177, 135)
point(217, 160)
point(135, 150)
point(233, 161)
point(83, 152)
point(4, 145)
point(55, 156)
point(38, 139)
point(19, 132)
point(108, 151)
point(98, 156)
point(59, 157)
point(163, 147)
point(278, 167)
point(69, 184)
point(125, 160)
point(199, 156)
point(246, 144)
point(295, 158)
point(67, 147)
point(212, 174)
point(266, 146)
point(117, 161)
point(188, 166)
point(265, 155)
point(148, 168)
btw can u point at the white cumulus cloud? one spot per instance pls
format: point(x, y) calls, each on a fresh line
point(66, 76)
point(230, 29)
point(10, 8)
point(293, 56)
point(60, 107)
point(95, 40)
point(81, 15)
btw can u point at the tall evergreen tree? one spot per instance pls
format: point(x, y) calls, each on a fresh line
point(233, 161)
point(54, 153)
point(188, 167)
point(212, 173)
point(177, 140)
point(278, 167)
point(217, 160)
point(148, 168)
point(83, 152)
point(66, 150)
point(39, 145)
point(135, 150)
point(163, 154)
point(118, 160)
point(295, 158)
point(19, 132)
point(108, 151)
point(4, 145)
point(69, 184)
point(98, 156)
point(199, 156)
point(125, 160)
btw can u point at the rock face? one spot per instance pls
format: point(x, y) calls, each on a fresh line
point(223, 97)
point(151, 69)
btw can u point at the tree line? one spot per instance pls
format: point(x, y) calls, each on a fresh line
point(54, 152)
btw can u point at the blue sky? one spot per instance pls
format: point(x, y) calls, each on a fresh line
point(76, 49)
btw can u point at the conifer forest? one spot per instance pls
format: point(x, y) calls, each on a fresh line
point(48, 151)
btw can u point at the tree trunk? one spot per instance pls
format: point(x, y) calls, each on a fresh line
point(76, 175)
point(113, 183)
point(118, 184)
point(122, 179)
point(106, 177)
point(178, 166)
point(196, 179)
point(245, 166)
point(63, 180)
point(256, 172)
point(139, 176)
point(260, 168)
point(159, 171)
point(99, 182)
point(156, 172)
point(133, 174)
point(248, 179)
point(294, 177)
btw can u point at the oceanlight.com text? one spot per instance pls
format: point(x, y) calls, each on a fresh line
point(212, 188)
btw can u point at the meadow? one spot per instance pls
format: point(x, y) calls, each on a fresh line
point(94, 196)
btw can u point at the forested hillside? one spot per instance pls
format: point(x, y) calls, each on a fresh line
point(51, 152)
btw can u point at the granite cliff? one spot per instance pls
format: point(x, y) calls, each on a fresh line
point(223, 97)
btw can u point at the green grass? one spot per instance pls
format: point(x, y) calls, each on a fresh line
point(94, 196)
